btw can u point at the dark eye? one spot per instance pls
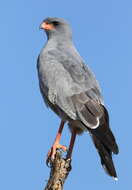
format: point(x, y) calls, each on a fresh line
point(55, 23)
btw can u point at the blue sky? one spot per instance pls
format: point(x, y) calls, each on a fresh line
point(102, 32)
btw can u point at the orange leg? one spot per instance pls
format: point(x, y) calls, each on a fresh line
point(56, 145)
point(72, 141)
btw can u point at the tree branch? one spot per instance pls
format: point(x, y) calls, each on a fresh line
point(60, 168)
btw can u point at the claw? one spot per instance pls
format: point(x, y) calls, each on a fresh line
point(52, 152)
point(49, 162)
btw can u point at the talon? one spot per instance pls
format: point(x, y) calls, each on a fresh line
point(56, 145)
point(52, 152)
point(64, 148)
point(48, 162)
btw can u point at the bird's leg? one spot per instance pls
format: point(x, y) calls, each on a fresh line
point(56, 145)
point(72, 141)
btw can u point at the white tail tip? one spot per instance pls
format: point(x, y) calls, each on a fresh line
point(115, 178)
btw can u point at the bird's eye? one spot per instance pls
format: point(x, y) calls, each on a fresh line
point(55, 23)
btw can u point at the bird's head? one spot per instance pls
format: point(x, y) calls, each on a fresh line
point(56, 27)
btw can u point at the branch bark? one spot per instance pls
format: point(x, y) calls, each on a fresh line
point(60, 168)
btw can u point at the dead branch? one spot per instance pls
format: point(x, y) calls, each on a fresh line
point(60, 169)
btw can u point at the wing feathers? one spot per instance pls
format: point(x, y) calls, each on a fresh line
point(88, 110)
point(104, 133)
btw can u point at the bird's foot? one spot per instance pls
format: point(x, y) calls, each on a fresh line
point(51, 154)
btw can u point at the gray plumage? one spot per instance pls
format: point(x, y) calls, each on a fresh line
point(71, 90)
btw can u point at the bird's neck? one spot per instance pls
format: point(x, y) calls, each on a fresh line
point(60, 41)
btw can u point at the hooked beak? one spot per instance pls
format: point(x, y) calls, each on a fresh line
point(46, 26)
point(42, 26)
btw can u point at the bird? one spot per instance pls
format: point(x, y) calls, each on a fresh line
point(69, 88)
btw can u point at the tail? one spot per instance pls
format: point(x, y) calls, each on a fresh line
point(106, 157)
point(106, 144)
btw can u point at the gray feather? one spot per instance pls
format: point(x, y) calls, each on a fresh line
point(63, 75)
